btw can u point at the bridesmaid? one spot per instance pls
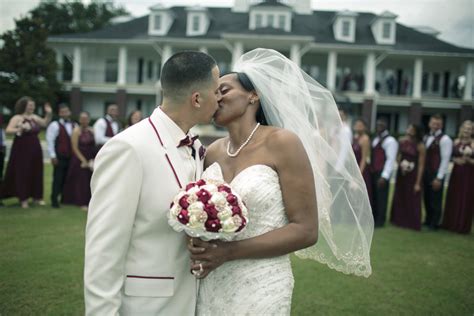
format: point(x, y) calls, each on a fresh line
point(77, 185)
point(459, 206)
point(406, 206)
point(24, 174)
point(134, 117)
point(361, 147)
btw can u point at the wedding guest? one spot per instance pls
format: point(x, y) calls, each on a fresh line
point(361, 148)
point(344, 134)
point(77, 187)
point(459, 207)
point(24, 174)
point(58, 138)
point(134, 117)
point(406, 206)
point(438, 153)
point(107, 127)
point(384, 154)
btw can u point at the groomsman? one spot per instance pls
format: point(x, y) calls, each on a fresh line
point(384, 154)
point(438, 153)
point(108, 126)
point(58, 138)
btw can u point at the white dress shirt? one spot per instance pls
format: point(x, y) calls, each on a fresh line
point(390, 146)
point(100, 128)
point(446, 149)
point(177, 134)
point(345, 136)
point(52, 132)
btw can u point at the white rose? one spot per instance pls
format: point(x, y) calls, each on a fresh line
point(174, 211)
point(195, 222)
point(194, 190)
point(237, 220)
point(210, 188)
point(195, 208)
point(192, 198)
point(225, 214)
point(228, 226)
point(219, 200)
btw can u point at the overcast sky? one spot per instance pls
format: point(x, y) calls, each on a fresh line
point(453, 18)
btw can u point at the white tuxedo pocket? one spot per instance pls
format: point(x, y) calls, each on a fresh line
point(149, 286)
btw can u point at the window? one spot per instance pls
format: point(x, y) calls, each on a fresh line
point(258, 20)
point(67, 69)
point(150, 70)
point(386, 30)
point(158, 70)
point(424, 81)
point(281, 21)
point(157, 21)
point(435, 86)
point(270, 18)
point(346, 28)
point(140, 71)
point(111, 70)
point(196, 23)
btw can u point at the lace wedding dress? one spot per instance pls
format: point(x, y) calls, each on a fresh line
point(251, 286)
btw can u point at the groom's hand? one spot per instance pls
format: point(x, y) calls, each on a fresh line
point(208, 254)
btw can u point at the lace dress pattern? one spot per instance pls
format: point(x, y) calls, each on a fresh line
point(251, 286)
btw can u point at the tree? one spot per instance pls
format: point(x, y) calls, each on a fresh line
point(27, 65)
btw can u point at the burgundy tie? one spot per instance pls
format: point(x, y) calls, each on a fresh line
point(187, 141)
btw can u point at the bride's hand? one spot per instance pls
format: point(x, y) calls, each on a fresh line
point(208, 254)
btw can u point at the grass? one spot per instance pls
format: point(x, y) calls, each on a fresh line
point(427, 273)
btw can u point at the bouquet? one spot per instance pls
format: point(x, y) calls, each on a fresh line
point(208, 210)
point(407, 166)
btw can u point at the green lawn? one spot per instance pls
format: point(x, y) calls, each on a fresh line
point(427, 273)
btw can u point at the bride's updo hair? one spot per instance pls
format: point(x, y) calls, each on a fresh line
point(248, 86)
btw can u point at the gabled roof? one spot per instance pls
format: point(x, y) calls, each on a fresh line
point(317, 25)
point(271, 3)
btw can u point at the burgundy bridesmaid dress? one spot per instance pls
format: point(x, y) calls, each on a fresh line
point(366, 174)
point(406, 205)
point(77, 189)
point(24, 174)
point(459, 207)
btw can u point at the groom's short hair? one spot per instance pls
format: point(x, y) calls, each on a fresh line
point(185, 71)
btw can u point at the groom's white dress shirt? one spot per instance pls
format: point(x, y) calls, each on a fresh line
point(135, 264)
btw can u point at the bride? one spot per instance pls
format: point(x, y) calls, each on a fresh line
point(280, 157)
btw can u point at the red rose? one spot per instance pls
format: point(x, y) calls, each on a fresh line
point(244, 222)
point(236, 210)
point(203, 196)
point(213, 225)
point(232, 199)
point(183, 201)
point(190, 185)
point(183, 217)
point(201, 182)
point(211, 211)
point(224, 188)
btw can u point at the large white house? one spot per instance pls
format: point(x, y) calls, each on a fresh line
point(374, 65)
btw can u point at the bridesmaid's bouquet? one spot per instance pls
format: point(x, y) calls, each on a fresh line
point(208, 210)
point(406, 166)
point(465, 151)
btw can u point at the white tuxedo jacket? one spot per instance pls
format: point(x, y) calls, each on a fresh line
point(135, 264)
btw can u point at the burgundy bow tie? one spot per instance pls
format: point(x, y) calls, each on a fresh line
point(187, 141)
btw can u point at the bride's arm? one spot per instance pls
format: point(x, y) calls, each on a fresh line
point(299, 197)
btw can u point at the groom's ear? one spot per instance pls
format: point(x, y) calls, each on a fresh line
point(195, 99)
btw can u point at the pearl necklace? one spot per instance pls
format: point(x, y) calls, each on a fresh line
point(243, 145)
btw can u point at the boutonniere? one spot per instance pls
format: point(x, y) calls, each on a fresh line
point(202, 152)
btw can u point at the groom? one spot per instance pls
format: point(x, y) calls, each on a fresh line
point(135, 264)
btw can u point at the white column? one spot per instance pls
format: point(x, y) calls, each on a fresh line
point(203, 49)
point(165, 54)
point(370, 74)
point(417, 78)
point(237, 52)
point(122, 66)
point(76, 66)
point(331, 71)
point(468, 86)
point(295, 54)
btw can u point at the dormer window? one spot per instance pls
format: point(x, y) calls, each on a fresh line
point(198, 21)
point(344, 26)
point(157, 19)
point(258, 21)
point(281, 21)
point(160, 20)
point(270, 20)
point(384, 28)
